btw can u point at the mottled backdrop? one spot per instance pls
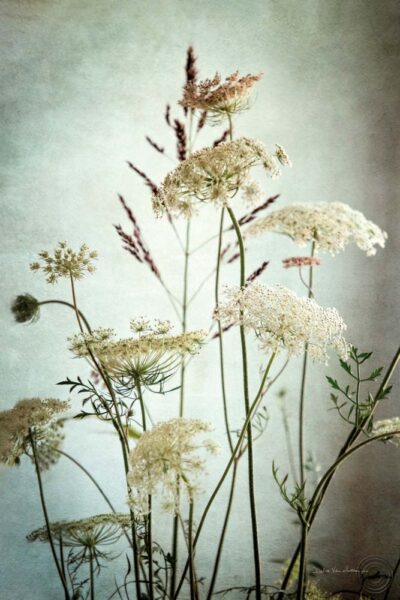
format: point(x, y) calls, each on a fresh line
point(83, 83)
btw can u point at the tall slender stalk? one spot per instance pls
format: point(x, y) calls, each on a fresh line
point(220, 334)
point(256, 552)
point(222, 537)
point(46, 516)
point(303, 543)
point(91, 575)
point(149, 517)
point(192, 576)
point(235, 453)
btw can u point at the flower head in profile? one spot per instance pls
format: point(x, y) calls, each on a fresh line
point(162, 455)
point(150, 356)
point(87, 538)
point(65, 262)
point(214, 175)
point(391, 427)
point(39, 417)
point(284, 321)
point(331, 225)
point(219, 98)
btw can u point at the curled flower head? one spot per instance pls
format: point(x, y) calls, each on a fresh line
point(25, 308)
point(220, 98)
point(213, 175)
point(162, 455)
point(389, 426)
point(283, 321)
point(150, 357)
point(331, 225)
point(282, 156)
point(36, 416)
point(301, 261)
point(65, 262)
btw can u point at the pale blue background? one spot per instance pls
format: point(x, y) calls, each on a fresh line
point(83, 83)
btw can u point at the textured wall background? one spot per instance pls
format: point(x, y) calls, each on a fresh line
point(83, 83)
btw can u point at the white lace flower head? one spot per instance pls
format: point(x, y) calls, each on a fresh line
point(214, 175)
point(331, 225)
point(284, 321)
point(39, 416)
point(65, 262)
point(168, 451)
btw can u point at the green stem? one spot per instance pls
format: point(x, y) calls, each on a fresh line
point(148, 522)
point(220, 334)
point(301, 585)
point(192, 577)
point(303, 380)
point(81, 315)
point(175, 524)
point(46, 516)
point(223, 533)
point(231, 460)
point(256, 552)
point(91, 576)
point(352, 437)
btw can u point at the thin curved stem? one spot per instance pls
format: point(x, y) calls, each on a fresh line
point(46, 516)
point(192, 576)
point(64, 303)
point(235, 453)
point(256, 552)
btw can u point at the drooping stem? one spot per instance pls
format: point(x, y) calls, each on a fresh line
point(256, 552)
point(64, 303)
point(223, 533)
point(46, 515)
point(351, 438)
point(235, 453)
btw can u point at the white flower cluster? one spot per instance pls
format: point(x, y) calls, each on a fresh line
point(41, 417)
point(148, 357)
point(331, 225)
point(213, 175)
point(282, 320)
point(389, 426)
point(65, 262)
point(164, 454)
point(86, 533)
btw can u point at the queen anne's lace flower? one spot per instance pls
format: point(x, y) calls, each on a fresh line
point(220, 98)
point(149, 357)
point(213, 175)
point(65, 262)
point(25, 308)
point(282, 320)
point(331, 225)
point(89, 532)
point(164, 454)
point(37, 415)
point(389, 426)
